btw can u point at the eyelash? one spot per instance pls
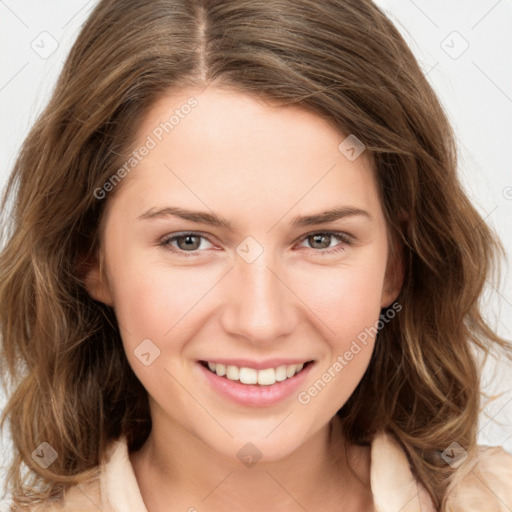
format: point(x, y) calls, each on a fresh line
point(343, 237)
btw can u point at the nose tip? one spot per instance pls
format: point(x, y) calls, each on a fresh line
point(260, 306)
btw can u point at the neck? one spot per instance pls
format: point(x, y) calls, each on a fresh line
point(180, 472)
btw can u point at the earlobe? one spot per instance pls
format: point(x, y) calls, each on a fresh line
point(394, 277)
point(95, 281)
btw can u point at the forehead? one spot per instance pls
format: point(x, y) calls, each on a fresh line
point(223, 149)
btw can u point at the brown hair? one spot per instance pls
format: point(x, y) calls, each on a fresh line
point(343, 60)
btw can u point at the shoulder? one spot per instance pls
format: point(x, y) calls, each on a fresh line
point(84, 497)
point(95, 493)
point(483, 482)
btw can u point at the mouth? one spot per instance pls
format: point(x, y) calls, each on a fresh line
point(255, 384)
point(252, 376)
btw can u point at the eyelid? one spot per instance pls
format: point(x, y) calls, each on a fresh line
point(165, 241)
point(342, 234)
point(345, 240)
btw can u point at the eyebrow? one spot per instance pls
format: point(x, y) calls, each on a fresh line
point(218, 221)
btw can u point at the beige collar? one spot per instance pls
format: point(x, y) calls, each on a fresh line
point(393, 485)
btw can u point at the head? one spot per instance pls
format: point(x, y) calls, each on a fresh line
point(90, 271)
point(261, 285)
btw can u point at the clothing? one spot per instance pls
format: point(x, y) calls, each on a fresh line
point(483, 484)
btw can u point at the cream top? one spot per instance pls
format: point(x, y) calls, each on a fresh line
point(483, 483)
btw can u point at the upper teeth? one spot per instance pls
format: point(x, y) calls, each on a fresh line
point(265, 377)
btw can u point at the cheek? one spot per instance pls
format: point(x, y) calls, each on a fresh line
point(156, 302)
point(152, 301)
point(346, 299)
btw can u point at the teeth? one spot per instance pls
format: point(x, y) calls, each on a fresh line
point(281, 373)
point(248, 376)
point(265, 377)
point(232, 372)
point(290, 370)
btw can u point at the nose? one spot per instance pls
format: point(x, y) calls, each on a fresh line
point(261, 307)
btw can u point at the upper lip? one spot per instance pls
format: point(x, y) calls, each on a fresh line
point(258, 365)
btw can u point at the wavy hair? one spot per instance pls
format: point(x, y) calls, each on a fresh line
point(62, 359)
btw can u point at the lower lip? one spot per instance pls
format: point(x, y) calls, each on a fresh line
point(254, 395)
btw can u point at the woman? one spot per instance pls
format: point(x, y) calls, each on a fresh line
point(242, 272)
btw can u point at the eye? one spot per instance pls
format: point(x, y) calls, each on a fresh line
point(186, 243)
point(190, 243)
point(322, 240)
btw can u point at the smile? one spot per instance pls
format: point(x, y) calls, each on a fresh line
point(263, 377)
point(255, 387)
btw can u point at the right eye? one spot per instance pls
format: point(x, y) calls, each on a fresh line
point(186, 242)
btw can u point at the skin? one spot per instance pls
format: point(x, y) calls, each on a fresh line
point(258, 166)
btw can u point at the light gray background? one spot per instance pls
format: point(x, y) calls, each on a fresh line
point(473, 83)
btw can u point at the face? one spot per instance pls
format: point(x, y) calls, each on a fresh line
point(256, 283)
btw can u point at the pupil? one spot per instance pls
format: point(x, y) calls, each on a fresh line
point(318, 238)
point(188, 243)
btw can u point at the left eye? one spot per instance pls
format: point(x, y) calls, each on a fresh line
point(190, 243)
point(320, 238)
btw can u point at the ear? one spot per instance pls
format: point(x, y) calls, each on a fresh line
point(92, 274)
point(394, 277)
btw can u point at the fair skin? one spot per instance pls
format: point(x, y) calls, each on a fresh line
point(258, 167)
